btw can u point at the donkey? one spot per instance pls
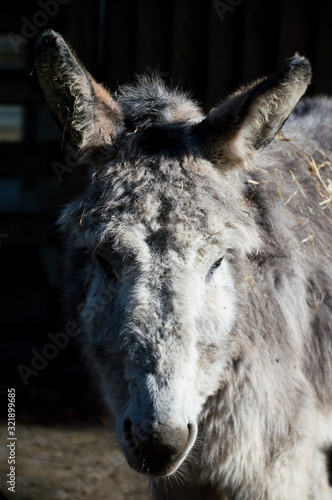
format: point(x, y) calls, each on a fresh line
point(212, 245)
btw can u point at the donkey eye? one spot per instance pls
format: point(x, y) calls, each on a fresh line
point(107, 267)
point(217, 264)
point(213, 268)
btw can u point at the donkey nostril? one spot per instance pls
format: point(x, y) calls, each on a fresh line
point(127, 430)
point(127, 426)
point(132, 441)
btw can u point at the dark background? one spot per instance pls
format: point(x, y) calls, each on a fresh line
point(207, 47)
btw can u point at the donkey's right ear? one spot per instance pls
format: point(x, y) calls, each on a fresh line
point(88, 115)
point(246, 122)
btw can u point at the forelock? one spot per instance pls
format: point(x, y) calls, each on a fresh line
point(149, 102)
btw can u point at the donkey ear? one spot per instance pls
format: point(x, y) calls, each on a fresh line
point(86, 111)
point(245, 123)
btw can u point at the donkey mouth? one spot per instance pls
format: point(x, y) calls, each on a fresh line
point(158, 457)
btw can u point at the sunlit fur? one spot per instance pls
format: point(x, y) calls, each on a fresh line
point(239, 347)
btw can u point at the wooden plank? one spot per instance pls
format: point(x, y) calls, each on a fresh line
point(322, 80)
point(261, 35)
point(153, 36)
point(225, 44)
point(189, 45)
point(120, 51)
point(81, 31)
point(297, 29)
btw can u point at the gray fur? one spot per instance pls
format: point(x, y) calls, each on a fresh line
point(214, 346)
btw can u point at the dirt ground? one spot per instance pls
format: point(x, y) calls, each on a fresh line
point(69, 463)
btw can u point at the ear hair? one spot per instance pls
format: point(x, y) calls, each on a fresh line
point(85, 110)
point(248, 121)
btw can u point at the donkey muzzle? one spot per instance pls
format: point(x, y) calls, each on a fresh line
point(157, 449)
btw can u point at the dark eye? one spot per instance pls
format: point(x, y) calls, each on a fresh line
point(107, 267)
point(213, 268)
point(217, 264)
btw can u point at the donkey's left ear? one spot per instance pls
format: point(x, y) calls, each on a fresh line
point(245, 123)
point(85, 111)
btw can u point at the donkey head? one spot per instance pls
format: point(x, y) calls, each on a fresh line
point(163, 232)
